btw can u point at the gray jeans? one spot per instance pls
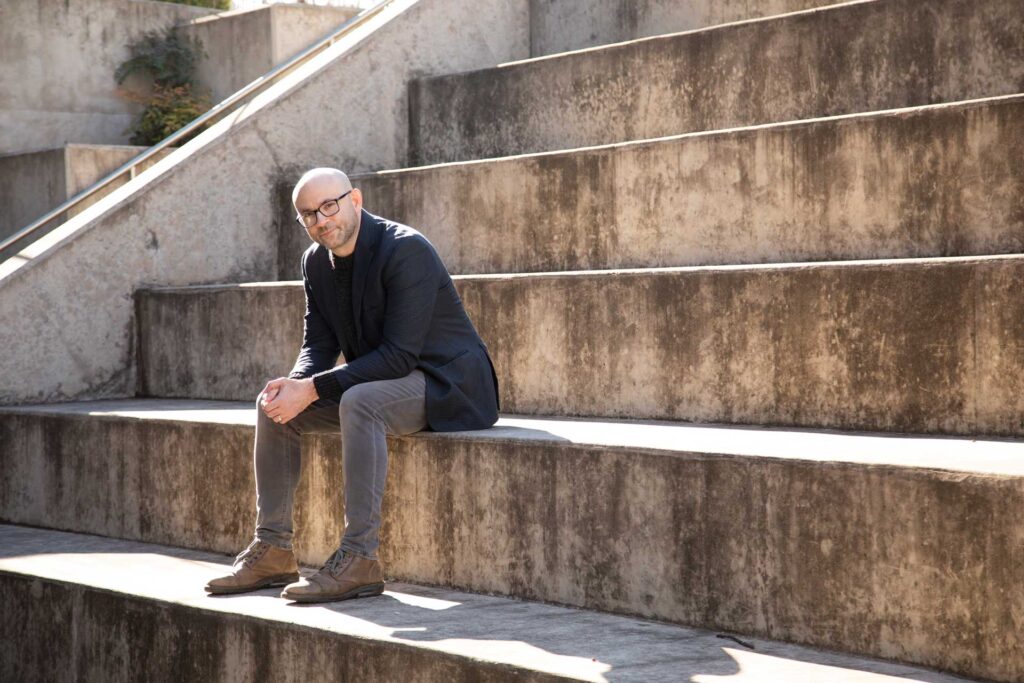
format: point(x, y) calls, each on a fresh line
point(365, 414)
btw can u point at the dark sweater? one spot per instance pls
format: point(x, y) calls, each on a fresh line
point(326, 382)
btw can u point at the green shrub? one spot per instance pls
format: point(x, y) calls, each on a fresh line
point(165, 56)
point(168, 60)
point(167, 110)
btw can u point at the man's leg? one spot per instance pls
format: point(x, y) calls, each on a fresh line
point(278, 463)
point(367, 413)
point(269, 560)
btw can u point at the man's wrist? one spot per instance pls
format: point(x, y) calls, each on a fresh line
point(309, 387)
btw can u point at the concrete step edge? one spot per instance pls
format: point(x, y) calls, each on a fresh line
point(995, 457)
point(782, 16)
point(916, 262)
point(836, 119)
point(475, 634)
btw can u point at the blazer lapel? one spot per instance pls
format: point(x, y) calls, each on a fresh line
point(366, 245)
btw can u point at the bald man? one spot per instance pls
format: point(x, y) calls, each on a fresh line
point(378, 296)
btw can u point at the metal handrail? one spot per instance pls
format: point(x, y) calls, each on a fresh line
point(217, 111)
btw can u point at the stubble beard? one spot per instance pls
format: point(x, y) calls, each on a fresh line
point(341, 235)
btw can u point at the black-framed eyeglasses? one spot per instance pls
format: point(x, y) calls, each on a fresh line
point(307, 219)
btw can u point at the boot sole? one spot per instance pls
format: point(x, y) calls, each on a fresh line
point(367, 591)
point(270, 581)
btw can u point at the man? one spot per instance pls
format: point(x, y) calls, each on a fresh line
point(378, 294)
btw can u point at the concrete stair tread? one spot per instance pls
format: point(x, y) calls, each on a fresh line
point(713, 77)
point(528, 637)
point(993, 457)
point(725, 196)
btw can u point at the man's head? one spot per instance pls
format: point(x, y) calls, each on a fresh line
point(329, 190)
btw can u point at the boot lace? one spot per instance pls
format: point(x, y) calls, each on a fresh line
point(252, 553)
point(337, 562)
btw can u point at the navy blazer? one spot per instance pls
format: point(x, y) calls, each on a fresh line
point(407, 315)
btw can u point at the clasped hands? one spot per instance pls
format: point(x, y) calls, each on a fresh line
point(284, 398)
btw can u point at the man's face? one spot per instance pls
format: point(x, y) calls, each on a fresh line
point(337, 233)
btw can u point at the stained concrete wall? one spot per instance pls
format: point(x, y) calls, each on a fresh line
point(59, 60)
point(943, 180)
point(59, 56)
point(169, 224)
point(562, 25)
point(896, 53)
point(242, 46)
point(927, 347)
point(36, 182)
point(834, 554)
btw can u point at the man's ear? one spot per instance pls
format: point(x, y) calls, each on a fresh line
point(357, 198)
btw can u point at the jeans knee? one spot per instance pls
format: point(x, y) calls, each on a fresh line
point(356, 401)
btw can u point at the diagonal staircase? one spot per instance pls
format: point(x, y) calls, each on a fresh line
point(753, 295)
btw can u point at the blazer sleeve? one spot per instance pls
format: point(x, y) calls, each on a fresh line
point(410, 284)
point(320, 348)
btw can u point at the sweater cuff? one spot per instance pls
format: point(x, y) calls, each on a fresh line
point(327, 384)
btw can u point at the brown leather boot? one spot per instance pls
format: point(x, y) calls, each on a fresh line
point(344, 576)
point(258, 566)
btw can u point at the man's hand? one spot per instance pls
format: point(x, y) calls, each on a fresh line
point(284, 398)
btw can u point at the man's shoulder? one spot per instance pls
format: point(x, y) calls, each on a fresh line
point(393, 231)
point(402, 240)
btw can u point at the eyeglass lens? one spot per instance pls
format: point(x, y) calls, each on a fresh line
point(328, 208)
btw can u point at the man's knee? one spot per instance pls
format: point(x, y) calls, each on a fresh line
point(357, 401)
point(261, 416)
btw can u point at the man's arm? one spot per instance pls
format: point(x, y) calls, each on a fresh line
point(320, 348)
point(411, 285)
point(285, 397)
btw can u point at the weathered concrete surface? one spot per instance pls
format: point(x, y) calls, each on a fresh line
point(242, 46)
point(59, 56)
point(33, 183)
point(837, 540)
point(926, 346)
point(208, 213)
point(435, 634)
point(265, 350)
point(562, 25)
point(943, 180)
point(893, 53)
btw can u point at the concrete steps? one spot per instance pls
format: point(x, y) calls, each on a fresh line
point(940, 180)
point(829, 539)
point(925, 346)
point(574, 24)
point(120, 610)
point(893, 53)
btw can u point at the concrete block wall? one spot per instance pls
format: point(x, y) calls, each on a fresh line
point(36, 182)
point(244, 45)
point(563, 25)
point(59, 58)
